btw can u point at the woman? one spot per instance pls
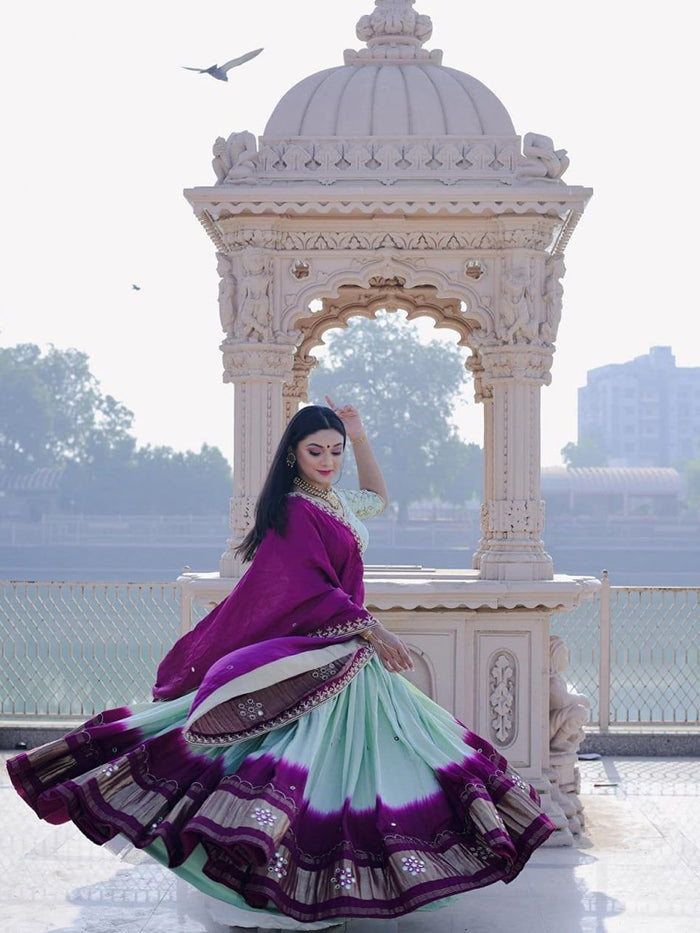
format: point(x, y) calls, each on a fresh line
point(287, 772)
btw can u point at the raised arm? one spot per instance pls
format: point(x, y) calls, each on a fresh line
point(369, 472)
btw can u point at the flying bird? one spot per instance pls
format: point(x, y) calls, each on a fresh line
point(220, 71)
point(136, 288)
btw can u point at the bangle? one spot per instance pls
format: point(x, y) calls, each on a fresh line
point(366, 633)
point(360, 439)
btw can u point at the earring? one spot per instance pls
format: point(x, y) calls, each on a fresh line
point(291, 458)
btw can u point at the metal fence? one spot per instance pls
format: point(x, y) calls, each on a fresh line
point(68, 650)
point(634, 652)
point(71, 649)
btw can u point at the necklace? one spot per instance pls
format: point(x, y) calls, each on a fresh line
point(330, 496)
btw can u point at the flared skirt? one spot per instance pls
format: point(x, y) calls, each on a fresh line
point(374, 804)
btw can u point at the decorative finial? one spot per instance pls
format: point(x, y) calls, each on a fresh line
point(393, 32)
point(394, 22)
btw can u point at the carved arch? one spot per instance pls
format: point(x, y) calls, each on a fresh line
point(355, 301)
point(447, 293)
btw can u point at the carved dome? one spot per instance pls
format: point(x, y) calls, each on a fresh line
point(393, 87)
point(392, 114)
point(412, 98)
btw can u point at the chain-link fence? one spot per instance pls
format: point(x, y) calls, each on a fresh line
point(71, 649)
point(634, 652)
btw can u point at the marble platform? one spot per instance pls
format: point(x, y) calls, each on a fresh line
point(637, 870)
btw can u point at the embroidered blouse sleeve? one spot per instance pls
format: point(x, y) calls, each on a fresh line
point(365, 503)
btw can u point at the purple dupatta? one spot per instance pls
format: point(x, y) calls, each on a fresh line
point(270, 651)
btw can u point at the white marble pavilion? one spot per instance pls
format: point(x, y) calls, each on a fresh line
point(396, 181)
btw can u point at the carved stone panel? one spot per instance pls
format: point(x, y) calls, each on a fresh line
point(503, 712)
point(505, 671)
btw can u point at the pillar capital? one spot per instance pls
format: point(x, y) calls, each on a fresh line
point(526, 364)
point(296, 390)
point(255, 360)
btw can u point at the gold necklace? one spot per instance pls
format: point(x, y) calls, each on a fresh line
point(330, 495)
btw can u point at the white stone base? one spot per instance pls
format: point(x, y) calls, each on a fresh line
point(481, 650)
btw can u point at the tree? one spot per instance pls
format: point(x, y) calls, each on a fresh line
point(153, 481)
point(405, 392)
point(461, 477)
point(587, 453)
point(53, 412)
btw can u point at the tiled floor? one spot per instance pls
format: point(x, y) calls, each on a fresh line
point(637, 870)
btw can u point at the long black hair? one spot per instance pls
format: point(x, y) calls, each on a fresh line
point(270, 511)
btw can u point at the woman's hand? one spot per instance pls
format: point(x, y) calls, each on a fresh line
point(392, 651)
point(349, 416)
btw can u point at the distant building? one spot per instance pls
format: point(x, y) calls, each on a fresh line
point(26, 497)
point(612, 491)
point(645, 412)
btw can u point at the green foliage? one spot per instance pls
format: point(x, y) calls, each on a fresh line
point(52, 410)
point(588, 452)
point(153, 481)
point(405, 392)
point(53, 413)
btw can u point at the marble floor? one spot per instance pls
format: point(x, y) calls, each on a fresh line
point(636, 870)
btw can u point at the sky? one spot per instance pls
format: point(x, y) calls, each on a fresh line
point(103, 129)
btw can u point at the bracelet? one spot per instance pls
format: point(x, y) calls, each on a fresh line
point(360, 439)
point(366, 633)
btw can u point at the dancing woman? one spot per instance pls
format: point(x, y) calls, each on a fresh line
point(288, 771)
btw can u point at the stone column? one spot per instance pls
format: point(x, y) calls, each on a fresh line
point(258, 372)
point(484, 395)
point(513, 512)
point(512, 359)
point(297, 391)
point(258, 357)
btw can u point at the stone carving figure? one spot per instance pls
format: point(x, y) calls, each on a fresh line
point(253, 319)
point(541, 158)
point(516, 314)
point(568, 711)
point(228, 290)
point(552, 298)
point(236, 158)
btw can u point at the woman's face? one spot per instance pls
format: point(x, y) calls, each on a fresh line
point(320, 457)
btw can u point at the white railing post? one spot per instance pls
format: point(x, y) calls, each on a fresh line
point(604, 668)
point(186, 605)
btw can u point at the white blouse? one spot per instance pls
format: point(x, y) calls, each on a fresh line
point(359, 504)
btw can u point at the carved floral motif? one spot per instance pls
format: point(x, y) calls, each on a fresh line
point(537, 237)
point(256, 359)
point(520, 363)
point(388, 160)
point(502, 697)
point(514, 516)
point(394, 21)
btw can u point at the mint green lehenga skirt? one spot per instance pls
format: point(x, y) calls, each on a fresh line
point(374, 804)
